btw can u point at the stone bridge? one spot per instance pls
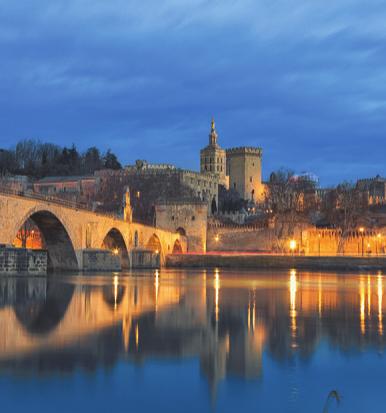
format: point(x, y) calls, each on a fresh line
point(69, 230)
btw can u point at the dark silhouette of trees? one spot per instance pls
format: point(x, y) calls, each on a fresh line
point(110, 161)
point(39, 159)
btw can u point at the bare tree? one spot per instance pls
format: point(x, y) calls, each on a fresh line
point(290, 199)
point(25, 232)
point(343, 208)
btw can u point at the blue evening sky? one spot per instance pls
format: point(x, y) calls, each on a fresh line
point(305, 80)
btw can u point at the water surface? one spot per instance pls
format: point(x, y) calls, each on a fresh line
point(193, 341)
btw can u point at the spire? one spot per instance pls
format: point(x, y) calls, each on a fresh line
point(213, 134)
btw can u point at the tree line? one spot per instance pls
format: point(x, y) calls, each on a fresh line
point(39, 159)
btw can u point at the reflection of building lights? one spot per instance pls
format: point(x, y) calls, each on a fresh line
point(368, 296)
point(380, 298)
point(136, 336)
point(217, 291)
point(156, 284)
point(115, 291)
point(362, 306)
point(320, 296)
point(293, 289)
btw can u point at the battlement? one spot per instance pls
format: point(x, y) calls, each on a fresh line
point(245, 150)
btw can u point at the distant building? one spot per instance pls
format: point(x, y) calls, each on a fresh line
point(374, 189)
point(244, 172)
point(82, 187)
point(203, 186)
point(213, 158)
point(17, 183)
point(236, 168)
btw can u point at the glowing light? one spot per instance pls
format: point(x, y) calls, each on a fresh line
point(136, 336)
point(292, 245)
point(320, 296)
point(156, 251)
point(361, 229)
point(368, 296)
point(379, 235)
point(156, 284)
point(293, 289)
point(380, 299)
point(362, 316)
point(217, 238)
point(217, 291)
point(115, 282)
point(115, 251)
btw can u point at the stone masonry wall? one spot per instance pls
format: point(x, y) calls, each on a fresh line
point(21, 261)
point(190, 218)
point(100, 260)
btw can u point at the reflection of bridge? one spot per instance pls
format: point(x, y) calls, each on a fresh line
point(40, 314)
point(226, 322)
point(68, 230)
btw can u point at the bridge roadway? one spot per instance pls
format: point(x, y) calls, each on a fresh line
point(68, 229)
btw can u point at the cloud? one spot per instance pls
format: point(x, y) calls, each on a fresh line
point(305, 80)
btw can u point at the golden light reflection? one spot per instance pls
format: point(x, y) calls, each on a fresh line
point(217, 291)
point(362, 315)
point(115, 282)
point(320, 296)
point(156, 284)
point(369, 296)
point(136, 336)
point(380, 299)
point(293, 289)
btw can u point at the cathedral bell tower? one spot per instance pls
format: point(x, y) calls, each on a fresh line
point(213, 158)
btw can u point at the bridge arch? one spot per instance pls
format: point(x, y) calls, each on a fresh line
point(56, 239)
point(42, 316)
point(177, 248)
point(115, 242)
point(181, 231)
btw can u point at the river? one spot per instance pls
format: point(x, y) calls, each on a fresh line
point(193, 341)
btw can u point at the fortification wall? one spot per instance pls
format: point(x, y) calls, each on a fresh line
point(326, 242)
point(189, 219)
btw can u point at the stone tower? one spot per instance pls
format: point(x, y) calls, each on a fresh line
point(212, 157)
point(127, 211)
point(244, 172)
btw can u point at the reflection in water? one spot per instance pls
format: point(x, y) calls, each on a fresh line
point(380, 297)
point(227, 324)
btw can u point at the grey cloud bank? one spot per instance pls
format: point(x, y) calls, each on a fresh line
point(304, 80)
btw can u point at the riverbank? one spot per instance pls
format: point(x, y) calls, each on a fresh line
point(257, 261)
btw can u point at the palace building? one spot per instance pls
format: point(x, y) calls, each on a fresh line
point(236, 168)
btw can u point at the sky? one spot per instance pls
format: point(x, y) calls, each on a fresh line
point(305, 80)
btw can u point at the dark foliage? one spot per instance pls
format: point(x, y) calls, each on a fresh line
point(37, 160)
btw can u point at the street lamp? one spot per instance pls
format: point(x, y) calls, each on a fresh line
point(362, 230)
point(292, 246)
